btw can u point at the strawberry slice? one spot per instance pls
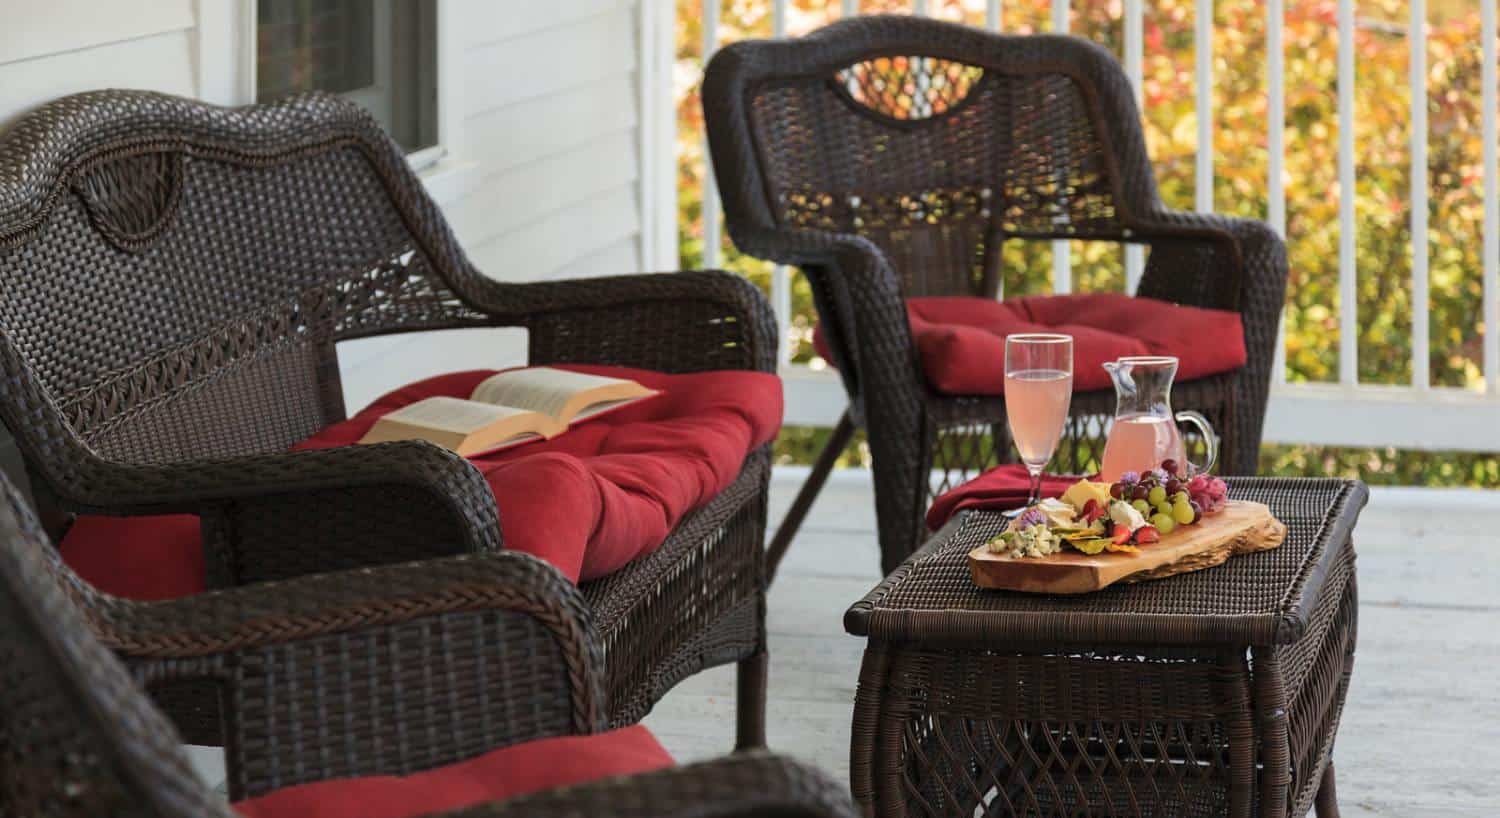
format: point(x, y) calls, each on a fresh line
point(1091, 511)
point(1147, 534)
point(1122, 535)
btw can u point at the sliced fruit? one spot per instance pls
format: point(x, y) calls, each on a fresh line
point(1123, 548)
point(1147, 534)
point(1091, 545)
point(1079, 494)
point(1122, 535)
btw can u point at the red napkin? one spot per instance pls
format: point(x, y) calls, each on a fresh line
point(999, 489)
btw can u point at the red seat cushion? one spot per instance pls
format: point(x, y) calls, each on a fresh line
point(495, 776)
point(589, 501)
point(961, 340)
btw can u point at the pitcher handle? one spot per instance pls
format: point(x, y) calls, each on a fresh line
point(1209, 438)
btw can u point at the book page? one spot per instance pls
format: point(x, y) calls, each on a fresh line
point(455, 415)
point(551, 391)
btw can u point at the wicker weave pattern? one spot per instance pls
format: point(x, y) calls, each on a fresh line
point(1207, 694)
point(173, 279)
point(79, 740)
point(893, 156)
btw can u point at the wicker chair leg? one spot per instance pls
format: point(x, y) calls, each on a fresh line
point(750, 702)
point(807, 494)
point(903, 487)
point(1326, 804)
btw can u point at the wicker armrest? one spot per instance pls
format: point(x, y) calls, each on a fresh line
point(378, 671)
point(383, 503)
point(1233, 264)
point(677, 322)
point(752, 784)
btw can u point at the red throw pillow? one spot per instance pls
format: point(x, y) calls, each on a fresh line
point(961, 339)
point(495, 776)
point(608, 491)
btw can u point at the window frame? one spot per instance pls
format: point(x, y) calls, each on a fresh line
point(226, 76)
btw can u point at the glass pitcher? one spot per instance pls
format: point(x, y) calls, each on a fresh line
point(1145, 428)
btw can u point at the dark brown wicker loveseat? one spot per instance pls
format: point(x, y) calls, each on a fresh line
point(173, 279)
point(307, 702)
point(892, 156)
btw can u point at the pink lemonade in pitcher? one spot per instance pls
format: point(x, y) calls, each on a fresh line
point(1138, 443)
point(1036, 404)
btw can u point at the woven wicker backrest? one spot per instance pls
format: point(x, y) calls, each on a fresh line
point(173, 275)
point(78, 737)
point(935, 141)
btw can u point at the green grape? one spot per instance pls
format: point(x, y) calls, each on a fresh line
point(1180, 497)
point(1182, 513)
point(1163, 508)
point(1164, 523)
point(1157, 495)
point(1141, 505)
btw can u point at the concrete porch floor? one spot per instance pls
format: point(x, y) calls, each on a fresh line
point(1419, 732)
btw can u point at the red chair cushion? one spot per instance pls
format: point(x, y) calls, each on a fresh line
point(961, 340)
point(589, 501)
point(495, 776)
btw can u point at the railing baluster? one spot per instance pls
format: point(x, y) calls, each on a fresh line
point(1203, 78)
point(1276, 147)
point(1135, 254)
point(1491, 205)
point(709, 207)
point(1348, 292)
point(781, 276)
point(1416, 37)
point(1062, 252)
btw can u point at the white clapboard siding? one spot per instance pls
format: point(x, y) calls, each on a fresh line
point(486, 21)
point(616, 259)
point(564, 120)
point(372, 367)
point(542, 249)
point(30, 29)
point(158, 62)
point(509, 200)
point(541, 63)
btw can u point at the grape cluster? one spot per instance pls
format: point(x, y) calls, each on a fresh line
point(1167, 497)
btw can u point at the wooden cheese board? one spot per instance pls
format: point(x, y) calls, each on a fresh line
point(1241, 528)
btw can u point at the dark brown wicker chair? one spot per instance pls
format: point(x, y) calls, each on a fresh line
point(892, 156)
point(173, 279)
point(327, 677)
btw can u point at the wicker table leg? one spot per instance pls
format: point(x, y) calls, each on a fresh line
point(1327, 803)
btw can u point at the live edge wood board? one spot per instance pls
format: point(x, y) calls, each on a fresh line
point(1242, 527)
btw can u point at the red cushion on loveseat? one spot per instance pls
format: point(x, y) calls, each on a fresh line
point(495, 776)
point(588, 501)
point(961, 340)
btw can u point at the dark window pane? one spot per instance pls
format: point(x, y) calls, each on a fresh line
point(381, 54)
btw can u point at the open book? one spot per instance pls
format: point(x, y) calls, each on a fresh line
point(507, 409)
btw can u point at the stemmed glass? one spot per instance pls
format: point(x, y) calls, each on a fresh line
point(1038, 390)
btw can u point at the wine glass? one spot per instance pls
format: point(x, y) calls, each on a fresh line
point(1038, 389)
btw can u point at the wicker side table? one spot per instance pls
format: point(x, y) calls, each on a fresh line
point(1212, 693)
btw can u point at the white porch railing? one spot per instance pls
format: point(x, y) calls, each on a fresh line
point(1345, 412)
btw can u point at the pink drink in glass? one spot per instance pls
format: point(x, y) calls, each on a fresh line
point(1138, 443)
point(1036, 404)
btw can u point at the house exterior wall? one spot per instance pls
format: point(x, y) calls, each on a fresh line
point(541, 122)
